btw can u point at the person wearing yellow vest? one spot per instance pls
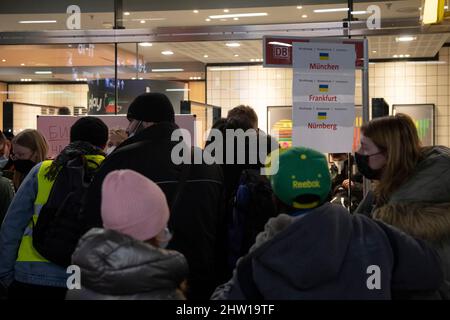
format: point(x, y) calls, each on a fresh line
point(23, 271)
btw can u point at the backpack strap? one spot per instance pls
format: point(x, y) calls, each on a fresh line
point(245, 278)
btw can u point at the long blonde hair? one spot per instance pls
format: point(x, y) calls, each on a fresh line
point(35, 141)
point(397, 137)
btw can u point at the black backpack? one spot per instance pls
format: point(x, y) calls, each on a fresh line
point(251, 207)
point(60, 224)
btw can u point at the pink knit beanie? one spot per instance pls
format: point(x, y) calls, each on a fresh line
point(133, 204)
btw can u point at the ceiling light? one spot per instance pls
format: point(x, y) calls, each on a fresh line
point(433, 11)
point(235, 19)
point(195, 11)
point(252, 60)
point(401, 56)
point(43, 72)
point(374, 51)
point(330, 10)
point(299, 7)
point(239, 15)
point(407, 55)
point(304, 16)
point(37, 21)
point(395, 56)
point(142, 21)
point(226, 10)
point(146, 44)
point(126, 13)
point(405, 38)
point(141, 78)
point(208, 20)
point(177, 90)
point(236, 55)
point(134, 78)
point(446, 7)
point(227, 68)
point(205, 56)
point(359, 12)
point(233, 44)
point(168, 70)
point(3, 60)
point(22, 64)
point(167, 53)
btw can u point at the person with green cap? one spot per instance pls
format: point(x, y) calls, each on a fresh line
point(315, 250)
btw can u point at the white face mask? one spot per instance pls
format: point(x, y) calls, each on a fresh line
point(3, 161)
point(110, 150)
point(340, 165)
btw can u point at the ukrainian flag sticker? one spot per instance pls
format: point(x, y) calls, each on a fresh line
point(322, 116)
point(324, 56)
point(323, 88)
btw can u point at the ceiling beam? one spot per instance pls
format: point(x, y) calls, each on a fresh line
point(218, 33)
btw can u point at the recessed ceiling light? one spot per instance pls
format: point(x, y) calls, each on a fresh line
point(374, 51)
point(195, 11)
point(141, 78)
point(304, 16)
point(395, 56)
point(226, 10)
point(235, 19)
point(134, 78)
point(405, 38)
point(208, 20)
point(22, 64)
point(37, 21)
point(240, 15)
point(236, 55)
point(167, 53)
point(142, 21)
point(299, 7)
point(359, 12)
point(407, 55)
point(330, 10)
point(401, 56)
point(43, 72)
point(177, 90)
point(252, 60)
point(126, 13)
point(168, 70)
point(233, 44)
point(205, 56)
point(3, 60)
point(146, 44)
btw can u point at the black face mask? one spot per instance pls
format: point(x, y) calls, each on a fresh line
point(23, 166)
point(362, 162)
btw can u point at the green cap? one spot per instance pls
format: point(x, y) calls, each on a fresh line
point(303, 179)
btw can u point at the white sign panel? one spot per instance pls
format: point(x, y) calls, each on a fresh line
point(323, 96)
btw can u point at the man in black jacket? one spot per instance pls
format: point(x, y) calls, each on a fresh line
point(194, 219)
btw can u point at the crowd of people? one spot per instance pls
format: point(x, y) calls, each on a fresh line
point(138, 226)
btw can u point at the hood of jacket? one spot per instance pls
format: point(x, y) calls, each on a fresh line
point(289, 234)
point(431, 180)
point(116, 264)
point(328, 254)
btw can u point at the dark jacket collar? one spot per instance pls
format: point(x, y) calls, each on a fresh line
point(158, 131)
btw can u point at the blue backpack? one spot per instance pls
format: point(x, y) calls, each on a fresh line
point(252, 206)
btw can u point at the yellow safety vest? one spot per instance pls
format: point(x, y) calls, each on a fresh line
point(27, 253)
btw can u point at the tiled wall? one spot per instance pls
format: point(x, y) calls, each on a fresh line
point(396, 82)
point(58, 95)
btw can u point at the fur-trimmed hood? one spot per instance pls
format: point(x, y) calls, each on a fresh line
point(426, 221)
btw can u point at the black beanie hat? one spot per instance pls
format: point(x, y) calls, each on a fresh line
point(90, 129)
point(151, 107)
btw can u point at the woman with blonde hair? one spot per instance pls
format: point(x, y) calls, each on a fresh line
point(391, 154)
point(29, 148)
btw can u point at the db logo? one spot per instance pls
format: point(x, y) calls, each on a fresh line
point(281, 53)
